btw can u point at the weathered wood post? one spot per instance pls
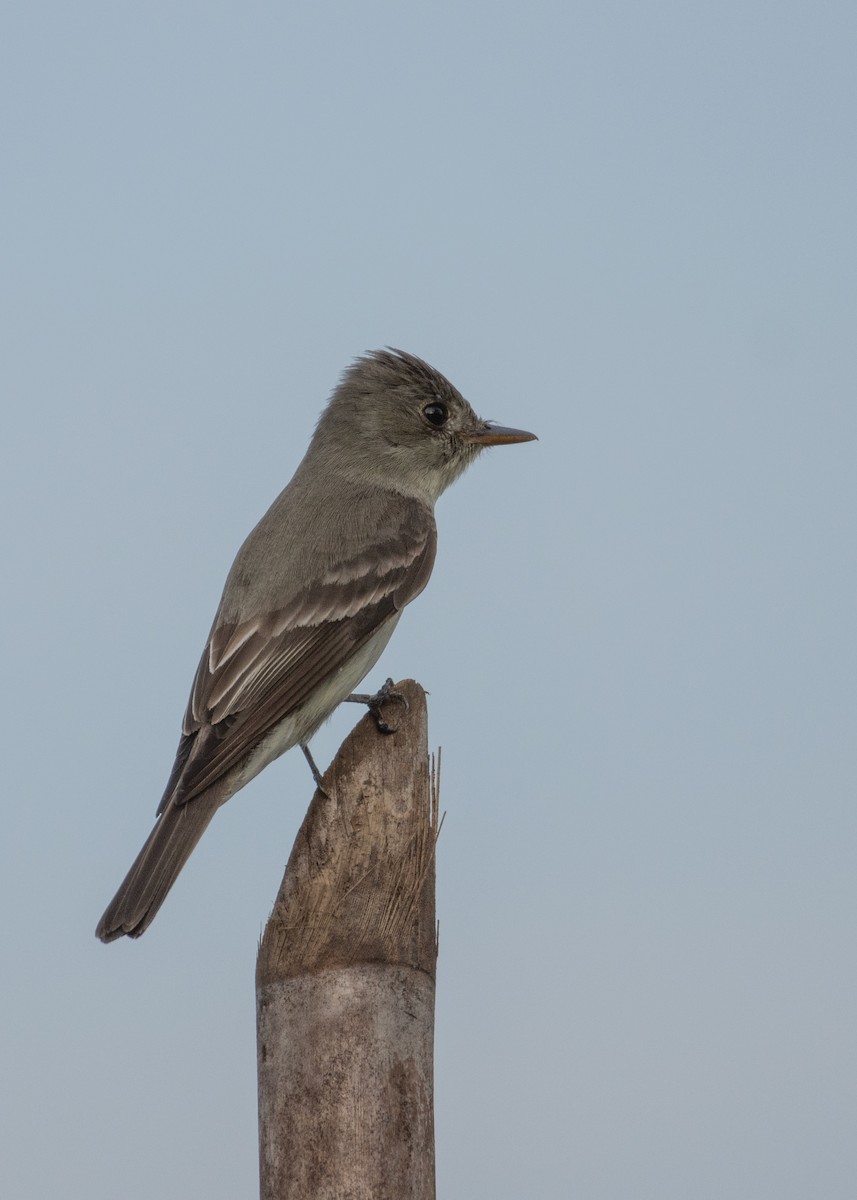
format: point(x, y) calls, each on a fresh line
point(345, 979)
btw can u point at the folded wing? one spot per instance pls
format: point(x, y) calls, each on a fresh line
point(254, 673)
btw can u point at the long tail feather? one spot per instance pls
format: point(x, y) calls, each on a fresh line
point(157, 866)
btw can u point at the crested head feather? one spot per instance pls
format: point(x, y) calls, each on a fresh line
point(375, 430)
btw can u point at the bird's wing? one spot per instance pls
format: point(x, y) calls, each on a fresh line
point(254, 673)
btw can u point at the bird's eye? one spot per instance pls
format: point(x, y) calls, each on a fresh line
point(435, 414)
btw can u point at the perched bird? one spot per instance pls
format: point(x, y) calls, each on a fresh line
point(312, 598)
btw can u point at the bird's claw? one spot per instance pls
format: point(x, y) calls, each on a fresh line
point(374, 703)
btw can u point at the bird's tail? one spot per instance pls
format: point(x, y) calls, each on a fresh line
point(156, 867)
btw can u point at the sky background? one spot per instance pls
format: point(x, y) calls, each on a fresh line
point(627, 226)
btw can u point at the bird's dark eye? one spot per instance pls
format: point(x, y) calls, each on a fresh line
point(435, 414)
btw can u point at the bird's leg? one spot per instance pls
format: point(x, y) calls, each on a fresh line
point(316, 774)
point(384, 693)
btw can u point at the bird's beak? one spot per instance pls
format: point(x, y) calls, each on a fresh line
point(496, 435)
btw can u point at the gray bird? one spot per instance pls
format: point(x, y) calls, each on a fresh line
point(312, 598)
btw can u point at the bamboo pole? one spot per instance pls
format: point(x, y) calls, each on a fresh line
point(345, 979)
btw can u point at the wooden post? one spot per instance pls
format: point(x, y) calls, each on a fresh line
point(345, 979)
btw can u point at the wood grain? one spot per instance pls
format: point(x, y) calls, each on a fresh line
point(346, 976)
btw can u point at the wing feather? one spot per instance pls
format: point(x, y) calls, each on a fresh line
point(254, 673)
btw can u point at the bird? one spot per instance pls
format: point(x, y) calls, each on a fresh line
point(312, 599)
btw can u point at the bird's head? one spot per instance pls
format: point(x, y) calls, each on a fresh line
point(395, 421)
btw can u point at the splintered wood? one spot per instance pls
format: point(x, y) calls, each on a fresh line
point(345, 978)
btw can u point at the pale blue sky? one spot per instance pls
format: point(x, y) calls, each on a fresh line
point(627, 226)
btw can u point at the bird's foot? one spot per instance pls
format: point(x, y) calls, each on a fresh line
point(374, 703)
point(316, 774)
